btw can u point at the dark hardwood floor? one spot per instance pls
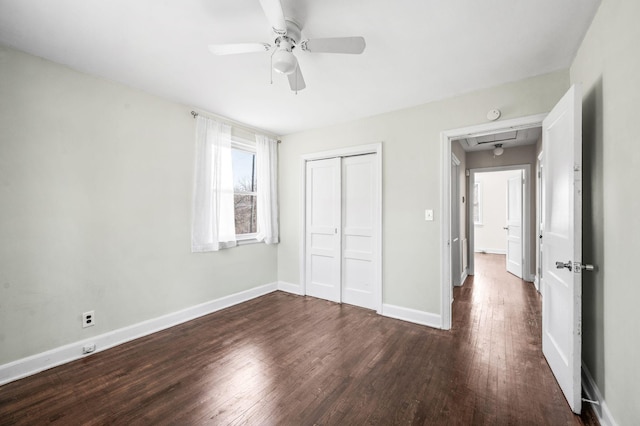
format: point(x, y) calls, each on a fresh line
point(284, 359)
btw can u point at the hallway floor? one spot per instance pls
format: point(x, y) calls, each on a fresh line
point(497, 317)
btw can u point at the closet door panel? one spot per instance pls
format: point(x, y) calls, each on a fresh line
point(323, 223)
point(358, 219)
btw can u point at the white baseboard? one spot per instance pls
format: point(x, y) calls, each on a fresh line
point(290, 288)
point(39, 362)
point(391, 311)
point(491, 251)
point(593, 393)
point(412, 315)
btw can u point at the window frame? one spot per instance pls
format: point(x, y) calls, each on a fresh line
point(246, 145)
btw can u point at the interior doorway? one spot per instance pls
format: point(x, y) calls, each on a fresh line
point(500, 217)
point(487, 137)
point(562, 227)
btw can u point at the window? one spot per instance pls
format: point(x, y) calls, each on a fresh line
point(477, 203)
point(227, 206)
point(245, 181)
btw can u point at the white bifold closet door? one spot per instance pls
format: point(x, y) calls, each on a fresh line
point(340, 219)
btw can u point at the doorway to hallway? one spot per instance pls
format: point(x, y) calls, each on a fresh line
point(497, 216)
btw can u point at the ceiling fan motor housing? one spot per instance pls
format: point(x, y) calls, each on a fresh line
point(293, 30)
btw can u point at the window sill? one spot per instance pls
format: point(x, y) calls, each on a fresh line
point(247, 241)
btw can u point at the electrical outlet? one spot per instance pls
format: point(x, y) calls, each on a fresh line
point(87, 349)
point(88, 319)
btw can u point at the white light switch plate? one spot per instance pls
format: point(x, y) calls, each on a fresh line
point(428, 215)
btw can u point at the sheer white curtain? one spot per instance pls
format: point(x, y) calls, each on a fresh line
point(213, 222)
point(267, 169)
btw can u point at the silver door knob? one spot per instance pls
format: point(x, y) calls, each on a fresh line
point(577, 265)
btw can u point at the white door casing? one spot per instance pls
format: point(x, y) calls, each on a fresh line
point(540, 224)
point(456, 252)
point(446, 137)
point(514, 225)
point(562, 237)
point(358, 233)
point(323, 224)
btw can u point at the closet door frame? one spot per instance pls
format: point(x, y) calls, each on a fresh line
point(346, 152)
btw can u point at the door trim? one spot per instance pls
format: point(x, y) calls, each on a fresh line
point(539, 193)
point(375, 148)
point(445, 194)
point(457, 281)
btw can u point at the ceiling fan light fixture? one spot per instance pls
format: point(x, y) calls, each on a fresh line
point(498, 150)
point(284, 61)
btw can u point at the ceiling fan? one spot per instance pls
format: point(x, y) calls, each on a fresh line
point(288, 37)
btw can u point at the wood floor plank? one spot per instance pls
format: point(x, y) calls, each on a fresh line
point(285, 359)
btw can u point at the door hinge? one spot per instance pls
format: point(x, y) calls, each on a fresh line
point(579, 327)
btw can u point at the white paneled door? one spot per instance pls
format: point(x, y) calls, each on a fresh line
point(323, 224)
point(358, 233)
point(341, 200)
point(514, 225)
point(562, 236)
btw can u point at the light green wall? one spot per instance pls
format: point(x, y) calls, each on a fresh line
point(95, 193)
point(608, 66)
point(411, 180)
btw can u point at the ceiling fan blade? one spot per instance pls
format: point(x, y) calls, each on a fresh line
point(354, 45)
point(234, 48)
point(275, 15)
point(296, 81)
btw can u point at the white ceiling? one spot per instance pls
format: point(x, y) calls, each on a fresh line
point(417, 51)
